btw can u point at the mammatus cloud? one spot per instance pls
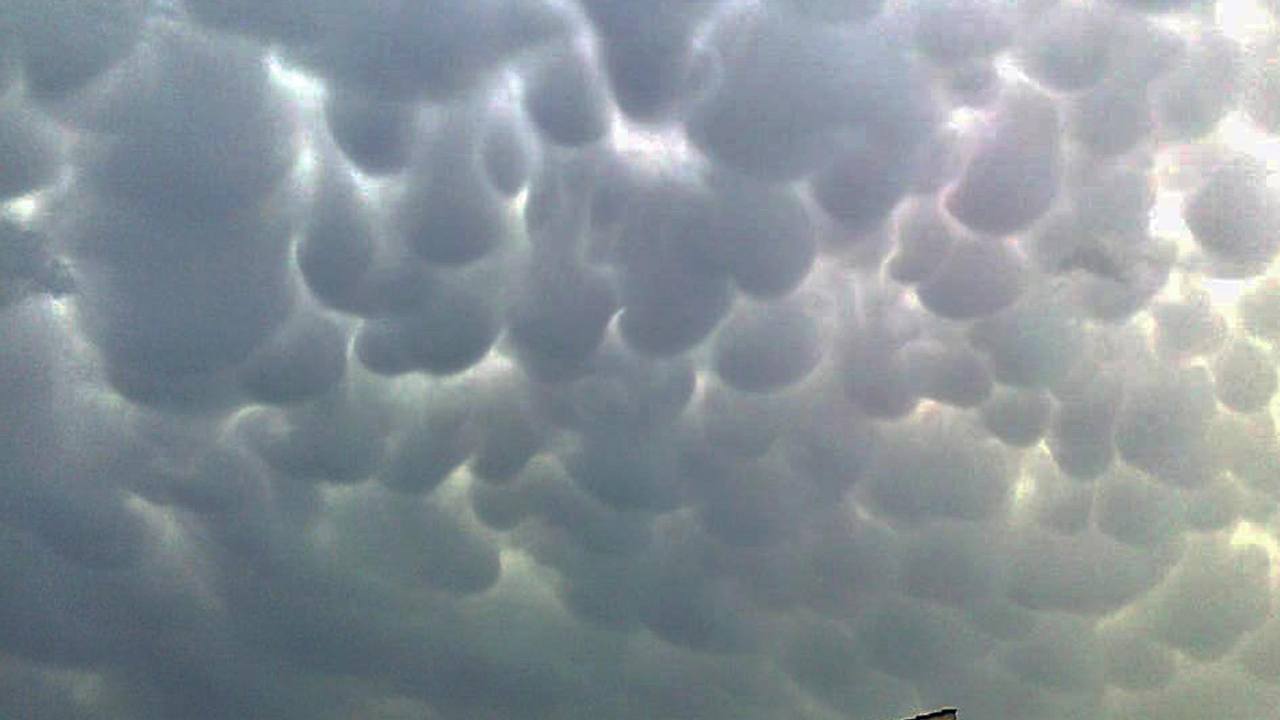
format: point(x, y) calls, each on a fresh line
point(651, 359)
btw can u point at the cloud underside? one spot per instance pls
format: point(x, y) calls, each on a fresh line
point(652, 359)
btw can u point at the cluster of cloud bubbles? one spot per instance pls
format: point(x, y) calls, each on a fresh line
point(637, 359)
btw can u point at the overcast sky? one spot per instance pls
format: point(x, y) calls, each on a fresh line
point(639, 359)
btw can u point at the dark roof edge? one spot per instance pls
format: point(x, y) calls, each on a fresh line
point(940, 712)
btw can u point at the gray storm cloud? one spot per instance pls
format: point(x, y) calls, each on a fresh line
point(651, 359)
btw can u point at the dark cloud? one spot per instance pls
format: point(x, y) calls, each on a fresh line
point(624, 393)
point(1161, 424)
point(1210, 689)
point(435, 50)
point(29, 267)
point(169, 307)
point(448, 213)
point(870, 363)
point(830, 442)
point(287, 20)
point(979, 277)
point(1134, 661)
point(1261, 84)
point(1112, 199)
point(1067, 47)
point(1215, 506)
point(376, 135)
point(450, 330)
point(338, 247)
point(860, 186)
point(1216, 594)
point(551, 495)
point(956, 377)
point(1244, 377)
point(1086, 573)
point(838, 11)
point(414, 542)
point(510, 427)
point(1017, 417)
point(955, 31)
point(1199, 89)
point(827, 661)
point(1229, 215)
point(65, 45)
point(951, 564)
point(306, 357)
point(762, 235)
point(559, 316)
point(29, 145)
point(908, 639)
point(337, 437)
point(642, 359)
point(640, 472)
point(673, 295)
point(1033, 343)
point(566, 99)
point(1261, 652)
point(1013, 176)
point(506, 152)
point(1189, 328)
point(924, 240)
point(1063, 654)
point(749, 503)
point(942, 469)
point(647, 51)
point(431, 447)
point(226, 131)
point(49, 614)
point(1110, 118)
point(1257, 311)
point(1135, 510)
point(1082, 428)
point(767, 347)
point(1246, 446)
point(1058, 502)
point(974, 84)
point(740, 423)
point(1115, 297)
point(805, 91)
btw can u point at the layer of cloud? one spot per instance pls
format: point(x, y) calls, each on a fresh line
point(638, 359)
